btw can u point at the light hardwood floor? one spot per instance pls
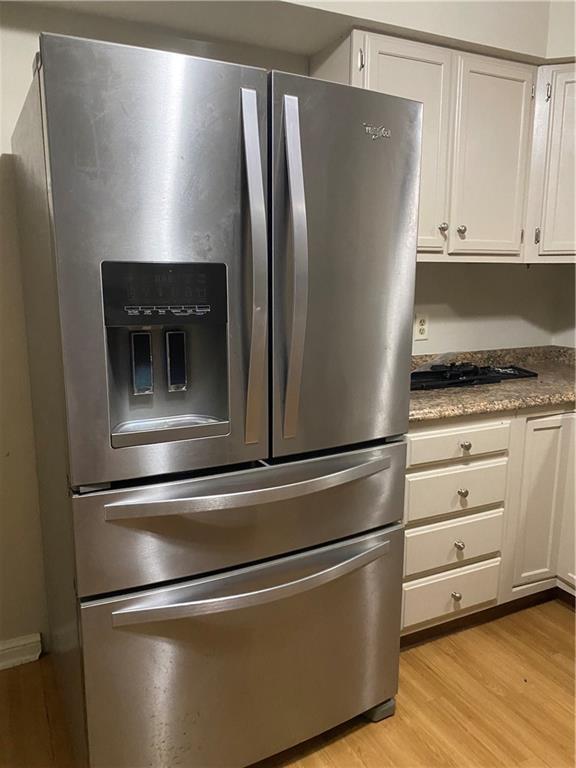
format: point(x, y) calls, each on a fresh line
point(498, 694)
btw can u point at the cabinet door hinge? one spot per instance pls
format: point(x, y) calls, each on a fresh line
point(537, 235)
point(548, 91)
point(533, 90)
point(361, 62)
point(521, 236)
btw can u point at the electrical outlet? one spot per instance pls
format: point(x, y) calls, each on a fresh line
point(420, 327)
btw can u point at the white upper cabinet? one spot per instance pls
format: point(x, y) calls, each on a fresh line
point(558, 210)
point(550, 222)
point(422, 73)
point(492, 126)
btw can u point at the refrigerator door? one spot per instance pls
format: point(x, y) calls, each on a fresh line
point(228, 670)
point(345, 175)
point(138, 536)
point(157, 179)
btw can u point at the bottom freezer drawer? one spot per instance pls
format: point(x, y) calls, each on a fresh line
point(226, 670)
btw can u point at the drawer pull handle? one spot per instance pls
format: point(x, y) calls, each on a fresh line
point(456, 596)
point(241, 492)
point(460, 546)
point(466, 445)
point(463, 493)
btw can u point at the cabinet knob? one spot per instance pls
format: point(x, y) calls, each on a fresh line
point(444, 226)
point(463, 493)
point(460, 546)
point(466, 445)
point(456, 596)
point(462, 229)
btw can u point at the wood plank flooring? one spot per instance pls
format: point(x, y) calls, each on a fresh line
point(32, 726)
point(498, 694)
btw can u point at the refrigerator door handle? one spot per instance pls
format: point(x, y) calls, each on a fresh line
point(188, 609)
point(255, 390)
point(299, 232)
point(238, 496)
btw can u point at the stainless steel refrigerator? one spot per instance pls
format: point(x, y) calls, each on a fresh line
point(218, 266)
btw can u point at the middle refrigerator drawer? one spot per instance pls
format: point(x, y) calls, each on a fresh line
point(139, 536)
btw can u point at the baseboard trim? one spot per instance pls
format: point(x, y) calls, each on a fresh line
point(566, 587)
point(20, 650)
point(566, 596)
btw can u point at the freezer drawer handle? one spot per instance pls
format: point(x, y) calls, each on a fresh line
point(242, 497)
point(299, 230)
point(188, 610)
point(255, 394)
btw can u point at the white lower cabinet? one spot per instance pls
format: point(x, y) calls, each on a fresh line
point(566, 557)
point(484, 529)
point(453, 542)
point(464, 440)
point(450, 593)
point(546, 524)
point(566, 565)
point(540, 512)
point(455, 489)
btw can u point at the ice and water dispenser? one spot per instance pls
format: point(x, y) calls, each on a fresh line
point(166, 328)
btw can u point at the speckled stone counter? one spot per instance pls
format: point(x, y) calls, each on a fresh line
point(555, 385)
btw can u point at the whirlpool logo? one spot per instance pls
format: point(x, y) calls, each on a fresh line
point(377, 131)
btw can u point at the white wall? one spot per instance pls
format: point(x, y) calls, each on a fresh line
point(21, 574)
point(494, 306)
point(511, 25)
point(561, 42)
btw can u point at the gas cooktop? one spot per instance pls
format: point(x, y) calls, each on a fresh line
point(464, 375)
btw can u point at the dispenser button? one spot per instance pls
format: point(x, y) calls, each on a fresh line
point(176, 366)
point(142, 371)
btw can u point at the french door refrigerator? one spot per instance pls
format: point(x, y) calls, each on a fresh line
point(218, 266)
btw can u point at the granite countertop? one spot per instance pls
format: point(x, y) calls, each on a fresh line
point(554, 386)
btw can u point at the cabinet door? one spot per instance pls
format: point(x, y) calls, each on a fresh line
point(422, 73)
point(541, 500)
point(557, 231)
point(566, 565)
point(493, 110)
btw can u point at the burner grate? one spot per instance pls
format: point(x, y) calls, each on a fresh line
point(465, 374)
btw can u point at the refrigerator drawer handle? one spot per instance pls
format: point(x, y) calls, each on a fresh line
point(207, 502)
point(255, 394)
point(188, 610)
point(299, 230)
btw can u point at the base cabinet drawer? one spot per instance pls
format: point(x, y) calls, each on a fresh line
point(450, 593)
point(451, 542)
point(457, 443)
point(455, 489)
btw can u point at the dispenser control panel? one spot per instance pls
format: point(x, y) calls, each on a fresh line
point(138, 293)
